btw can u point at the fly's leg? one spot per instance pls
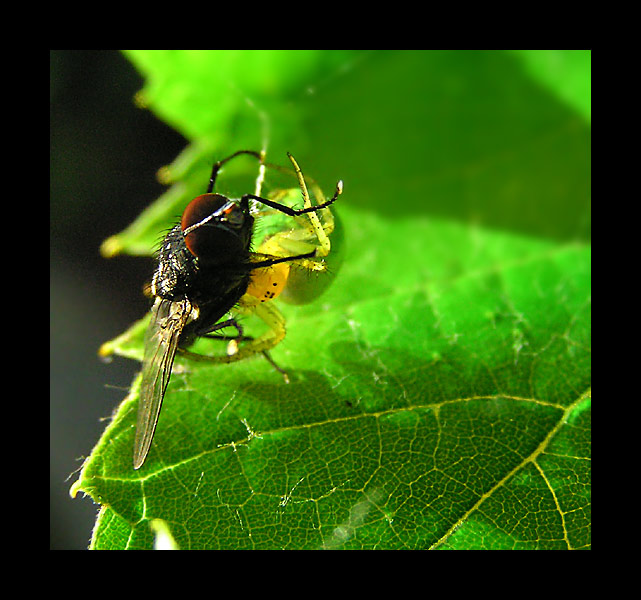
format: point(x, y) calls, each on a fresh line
point(271, 316)
point(313, 236)
point(239, 337)
point(307, 205)
point(217, 165)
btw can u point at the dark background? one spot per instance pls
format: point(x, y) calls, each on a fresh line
point(104, 154)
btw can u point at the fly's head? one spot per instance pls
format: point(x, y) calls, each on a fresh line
point(216, 230)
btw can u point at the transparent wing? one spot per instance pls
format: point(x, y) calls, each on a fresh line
point(161, 341)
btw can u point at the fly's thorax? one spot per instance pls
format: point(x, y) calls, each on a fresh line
point(222, 267)
point(176, 267)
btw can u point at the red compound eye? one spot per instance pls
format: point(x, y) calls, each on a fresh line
point(200, 208)
point(211, 224)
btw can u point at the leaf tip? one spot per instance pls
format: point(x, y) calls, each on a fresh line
point(106, 350)
point(111, 246)
point(75, 488)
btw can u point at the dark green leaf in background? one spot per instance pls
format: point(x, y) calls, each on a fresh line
point(440, 393)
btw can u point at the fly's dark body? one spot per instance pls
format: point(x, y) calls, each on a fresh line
point(214, 280)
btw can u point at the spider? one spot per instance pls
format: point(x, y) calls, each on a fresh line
point(206, 268)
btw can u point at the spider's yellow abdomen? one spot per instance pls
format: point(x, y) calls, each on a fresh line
point(267, 284)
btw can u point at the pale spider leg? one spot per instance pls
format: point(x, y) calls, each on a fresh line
point(319, 231)
point(323, 239)
point(277, 330)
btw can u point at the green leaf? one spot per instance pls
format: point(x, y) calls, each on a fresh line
point(440, 389)
point(565, 73)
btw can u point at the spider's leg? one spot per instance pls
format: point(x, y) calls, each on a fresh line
point(272, 317)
